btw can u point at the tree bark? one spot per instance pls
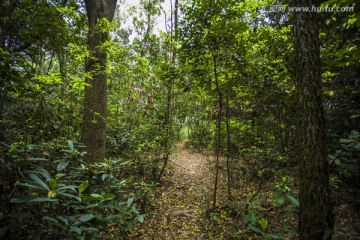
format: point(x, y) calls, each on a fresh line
point(95, 102)
point(218, 129)
point(169, 107)
point(228, 142)
point(315, 215)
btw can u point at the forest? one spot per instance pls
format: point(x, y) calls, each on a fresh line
point(180, 119)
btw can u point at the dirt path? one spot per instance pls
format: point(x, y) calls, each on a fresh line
point(184, 196)
point(180, 208)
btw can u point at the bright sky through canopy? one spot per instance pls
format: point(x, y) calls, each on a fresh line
point(125, 5)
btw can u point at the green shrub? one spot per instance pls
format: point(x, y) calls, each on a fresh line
point(63, 197)
point(346, 160)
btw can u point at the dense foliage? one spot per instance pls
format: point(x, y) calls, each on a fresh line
point(222, 78)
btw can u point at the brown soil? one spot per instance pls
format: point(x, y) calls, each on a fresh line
point(179, 210)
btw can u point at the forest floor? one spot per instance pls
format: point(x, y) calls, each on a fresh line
point(183, 200)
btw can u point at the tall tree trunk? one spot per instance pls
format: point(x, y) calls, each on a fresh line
point(228, 142)
point(168, 116)
point(218, 128)
point(95, 109)
point(315, 216)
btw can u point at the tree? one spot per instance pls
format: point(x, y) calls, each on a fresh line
point(315, 216)
point(95, 109)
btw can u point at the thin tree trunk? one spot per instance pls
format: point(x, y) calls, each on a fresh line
point(218, 140)
point(168, 120)
point(228, 152)
point(315, 215)
point(95, 108)
point(281, 132)
point(168, 124)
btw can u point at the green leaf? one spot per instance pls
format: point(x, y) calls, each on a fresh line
point(50, 219)
point(59, 175)
point(129, 202)
point(71, 187)
point(43, 199)
point(71, 145)
point(275, 236)
point(64, 220)
point(104, 176)
point(346, 140)
point(107, 196)
point(52, 184)
point(39, 181)
point(337, 162)
point(140, 218)
point(83, 186)
point(36, 159)
point(255, 229)
point(45, 174)
point(17, 200)
point(76, 229)
point(293, 200)
point(355, 133)
point(95, 195)
point(86, 217)
point(62, 165)
point(263, 223)
point(70, 196)
point(281, 200)
point(357, 146)
point(278, 236)
point(252, 216)
point(28, 185)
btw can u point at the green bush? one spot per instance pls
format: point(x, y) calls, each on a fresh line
point(64, 197)
point(346, 159)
